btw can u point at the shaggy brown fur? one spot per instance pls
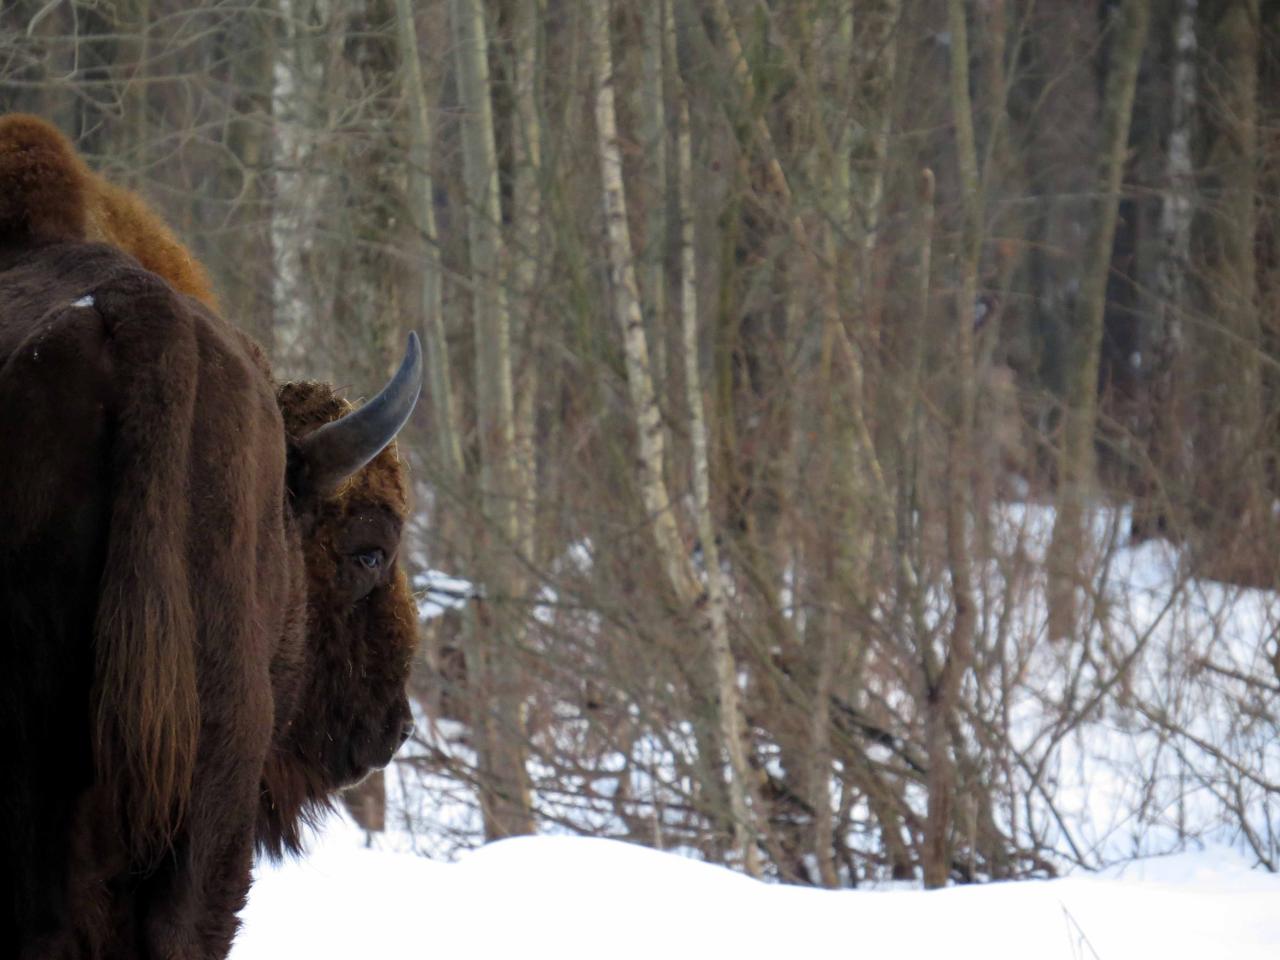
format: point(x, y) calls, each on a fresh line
point(50, 194)
point(368, 513)
point(194, 651)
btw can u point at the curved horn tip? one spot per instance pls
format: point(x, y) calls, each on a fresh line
point(411, 368)
point(337, 450)
point(412, 348)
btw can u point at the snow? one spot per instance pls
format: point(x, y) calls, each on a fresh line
point(1172, 753)
point(1121, 792)
point(568, 897)
point(439, 592)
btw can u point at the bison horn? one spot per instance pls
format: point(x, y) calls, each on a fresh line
point(338, 449)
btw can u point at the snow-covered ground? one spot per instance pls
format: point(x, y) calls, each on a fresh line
point(1184, 760)
point(568, 897)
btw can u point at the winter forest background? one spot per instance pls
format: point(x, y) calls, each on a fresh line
point(851, 449)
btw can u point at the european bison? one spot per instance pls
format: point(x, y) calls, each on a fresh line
point(203, 628)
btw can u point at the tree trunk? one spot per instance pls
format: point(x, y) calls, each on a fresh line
point(674, 558)
point(942, 680)
point(247, 298)
point(1236, 545)
point(875, 65)
point(421, 192)
point(293, 219)
point(653, 135)
point(361, 227)
point(1076, 474)
point(527, 260)
point(1162, 336)
point(493, 657)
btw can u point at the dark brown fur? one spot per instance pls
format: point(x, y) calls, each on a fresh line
point(192, 659)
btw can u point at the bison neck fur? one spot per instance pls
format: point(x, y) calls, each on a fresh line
point(195, 652)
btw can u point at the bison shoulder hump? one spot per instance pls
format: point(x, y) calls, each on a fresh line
point(42, 183)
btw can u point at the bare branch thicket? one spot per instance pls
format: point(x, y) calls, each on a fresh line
point(935, 427)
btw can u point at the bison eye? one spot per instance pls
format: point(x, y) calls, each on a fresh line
point(371, 559)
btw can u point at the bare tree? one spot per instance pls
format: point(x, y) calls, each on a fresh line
point(675, 558)
point(1076, 480)
point(492, 654)
point(775, 566)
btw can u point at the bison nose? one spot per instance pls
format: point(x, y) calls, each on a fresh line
point(406, 731)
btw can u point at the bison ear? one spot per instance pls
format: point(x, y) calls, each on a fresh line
point(331, 454)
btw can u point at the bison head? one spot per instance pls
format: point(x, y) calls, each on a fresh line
point(341, 704)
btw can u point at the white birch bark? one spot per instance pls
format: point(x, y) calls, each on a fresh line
point(1160, 344)
point(717, 624)
point(292, 219)
point(644, 405)
point(651, 439)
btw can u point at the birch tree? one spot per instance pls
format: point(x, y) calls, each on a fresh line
point(298, 115)
point(652, 108)
point(1164, 333)
point(650, 438)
